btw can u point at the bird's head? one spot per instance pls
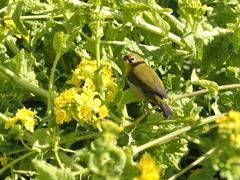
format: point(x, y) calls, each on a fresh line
point(131, 58)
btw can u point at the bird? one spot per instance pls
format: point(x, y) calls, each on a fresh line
point(145, 82)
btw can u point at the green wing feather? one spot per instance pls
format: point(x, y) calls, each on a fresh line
point(147, 79)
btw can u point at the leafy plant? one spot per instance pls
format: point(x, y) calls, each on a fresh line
point(67, 112)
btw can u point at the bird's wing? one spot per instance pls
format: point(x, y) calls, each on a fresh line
point(142, 80)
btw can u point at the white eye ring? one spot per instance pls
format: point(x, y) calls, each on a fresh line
point(132, 59)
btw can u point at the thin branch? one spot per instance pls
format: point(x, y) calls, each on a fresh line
point(207, 154)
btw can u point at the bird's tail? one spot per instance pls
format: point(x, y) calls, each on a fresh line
point(166, 110)
point(161, 103)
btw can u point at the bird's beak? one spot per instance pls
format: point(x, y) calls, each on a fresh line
point(122, 58)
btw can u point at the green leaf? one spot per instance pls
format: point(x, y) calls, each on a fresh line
point(233, 73)
point(43, 137)
point(150, 3)
point(155, 116)
point(171, 153)
point(215, 53)
point(22, 66)
point(186, 108)
point(164, 25)
point(189, 39)
point(131, 47)
point(224, 12)
point(74, 21)
point(112, 62)
point(215, 108)
point(3, 52)
point(206, 172)
point(9, 147)
point(127, 96)
point(61, 42)
point(47, 171)
point(131, 10)
point(213, 86)
point(17, 18)
point(42, 31)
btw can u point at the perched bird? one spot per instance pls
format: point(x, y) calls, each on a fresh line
point(145, 82)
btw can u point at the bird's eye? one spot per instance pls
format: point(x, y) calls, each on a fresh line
point(132, 59)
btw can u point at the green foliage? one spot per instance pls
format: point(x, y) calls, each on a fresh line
point(66, 111)
point(17, 19)
point(46, 171)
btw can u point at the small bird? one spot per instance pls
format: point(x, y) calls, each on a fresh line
point(145, 82)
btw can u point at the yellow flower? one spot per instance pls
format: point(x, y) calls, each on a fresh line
point(65, 97)
point(24, 115)
point(235, 138)
point(105, 63)
point(238, 139)
point(234, 115)
point(84, 112)
point(10, 122)
point(89, 86)
point(84, 98)
point(29, 123)
point(63, 116)
point(75, 81)
point(107, 71)
point(95, 104)
point(103, 112)
point(110, 96)
point(69, 94)
point(9, 24)
point(149, 168)
point(88, 65)
point(82, 102)
point(60, 114)
point(107, 79)
point(222, 119)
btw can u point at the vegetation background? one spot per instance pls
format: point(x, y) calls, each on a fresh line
point(67, 112)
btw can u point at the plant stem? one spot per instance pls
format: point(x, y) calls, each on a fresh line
point(17, 160)
point(207, 90)
point(112, 115)
point(51, 82)
point(69, 161)
point(57, 157)
point(176, 133)
point(187, 137)
point(29, 87)
point(8, 6)
point(159, 8)
point(215, 32)
point(207, 154)
point(158, 31)
point(88, 136)
point(3, 118)
point(81, 172)
point(11, 44)
point(138, 22)
point(33, 17)
point(187, 95)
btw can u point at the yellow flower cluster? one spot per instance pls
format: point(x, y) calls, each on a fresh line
point(149, 168)
point(232, 115)
point(24, 115)
point(81, 101)
point(229, 126)
point(195, 8)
